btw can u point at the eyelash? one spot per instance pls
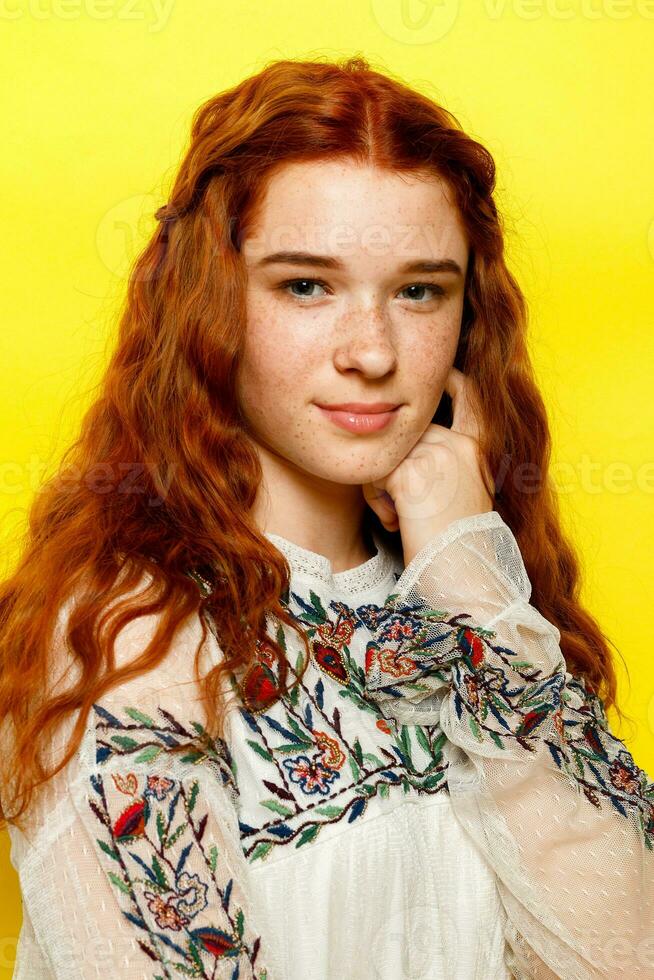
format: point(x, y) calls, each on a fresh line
point(438, 290)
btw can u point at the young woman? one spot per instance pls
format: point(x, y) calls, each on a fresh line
point(295, 680)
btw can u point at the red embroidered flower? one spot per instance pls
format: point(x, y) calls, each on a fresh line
point(131, 822)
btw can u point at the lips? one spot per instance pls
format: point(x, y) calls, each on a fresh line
point(362, 408)
point(375, 416)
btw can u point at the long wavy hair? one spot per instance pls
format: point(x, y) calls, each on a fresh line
point(167, 405)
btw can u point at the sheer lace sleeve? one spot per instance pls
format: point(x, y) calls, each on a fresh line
point(552, 798)
point(131, 865)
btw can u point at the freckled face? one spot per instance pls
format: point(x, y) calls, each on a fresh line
point(360, 329)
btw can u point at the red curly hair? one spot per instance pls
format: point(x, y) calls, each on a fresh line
point(167, 405)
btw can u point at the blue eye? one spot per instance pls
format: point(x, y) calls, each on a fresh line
point(285, 286)
point(294, 282)
point(438, 290)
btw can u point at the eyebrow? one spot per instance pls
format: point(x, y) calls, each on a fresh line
point(330, 262)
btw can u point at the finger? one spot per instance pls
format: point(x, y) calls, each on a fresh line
point(381, 502)
point(466, 413)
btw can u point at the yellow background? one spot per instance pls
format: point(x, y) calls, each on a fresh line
point(101, 95)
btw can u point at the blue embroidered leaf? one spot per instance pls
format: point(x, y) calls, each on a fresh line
point(172, 806)
point(358, 807)
point(142, 864)
point(108, 717)
point(248, 717)
point(182, 858)
point(281, 830)
point(278, 727)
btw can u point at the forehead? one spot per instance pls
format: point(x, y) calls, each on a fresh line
point(346, 208)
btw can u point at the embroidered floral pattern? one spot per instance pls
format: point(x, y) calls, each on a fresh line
point(162, 860)
point(319, 772)
point(419, 653)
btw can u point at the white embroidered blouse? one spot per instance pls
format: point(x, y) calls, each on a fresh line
point(439, 798)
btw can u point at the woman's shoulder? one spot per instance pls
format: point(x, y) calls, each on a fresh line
point(138, 673)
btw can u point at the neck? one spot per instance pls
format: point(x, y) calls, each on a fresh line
point(322, 516)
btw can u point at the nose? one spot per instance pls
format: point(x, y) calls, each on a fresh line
point(365, 344)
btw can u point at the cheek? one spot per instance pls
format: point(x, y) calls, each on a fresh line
point(275, 367)
point(429, 360)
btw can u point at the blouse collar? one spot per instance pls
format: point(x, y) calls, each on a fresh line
point(313, 565)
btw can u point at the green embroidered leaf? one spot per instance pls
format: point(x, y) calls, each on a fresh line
point(277, 807)
point(239, 923)
point(431, 781)
point(195, 955)
point(356, 748)
point(281, 638)
point(317, 605)
point(149, 753)
point(259, 749)
point(177, 833)
point(159, 872)
point(192, 797)
point(125, 741)
point(421, 738)
point(141, 717)
point(347, 692)
point(293, 747)
point(308, 834)
point(198, 727)
point(124, 887)
point(193, 757)
point(373, 759)
point(300, 732)
point(294, 694)
point(439, 742)
point(435, 763)
point(498, 741)
point(161, 825)
point(188, 971)
point(384, 790)
point(474, 728)
point(213, 857)
point(329, 811)
point(260, 851)
point(108, 850)
point(312, 617)
point(356, 772)
point(367, 789)
point(405, 743)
